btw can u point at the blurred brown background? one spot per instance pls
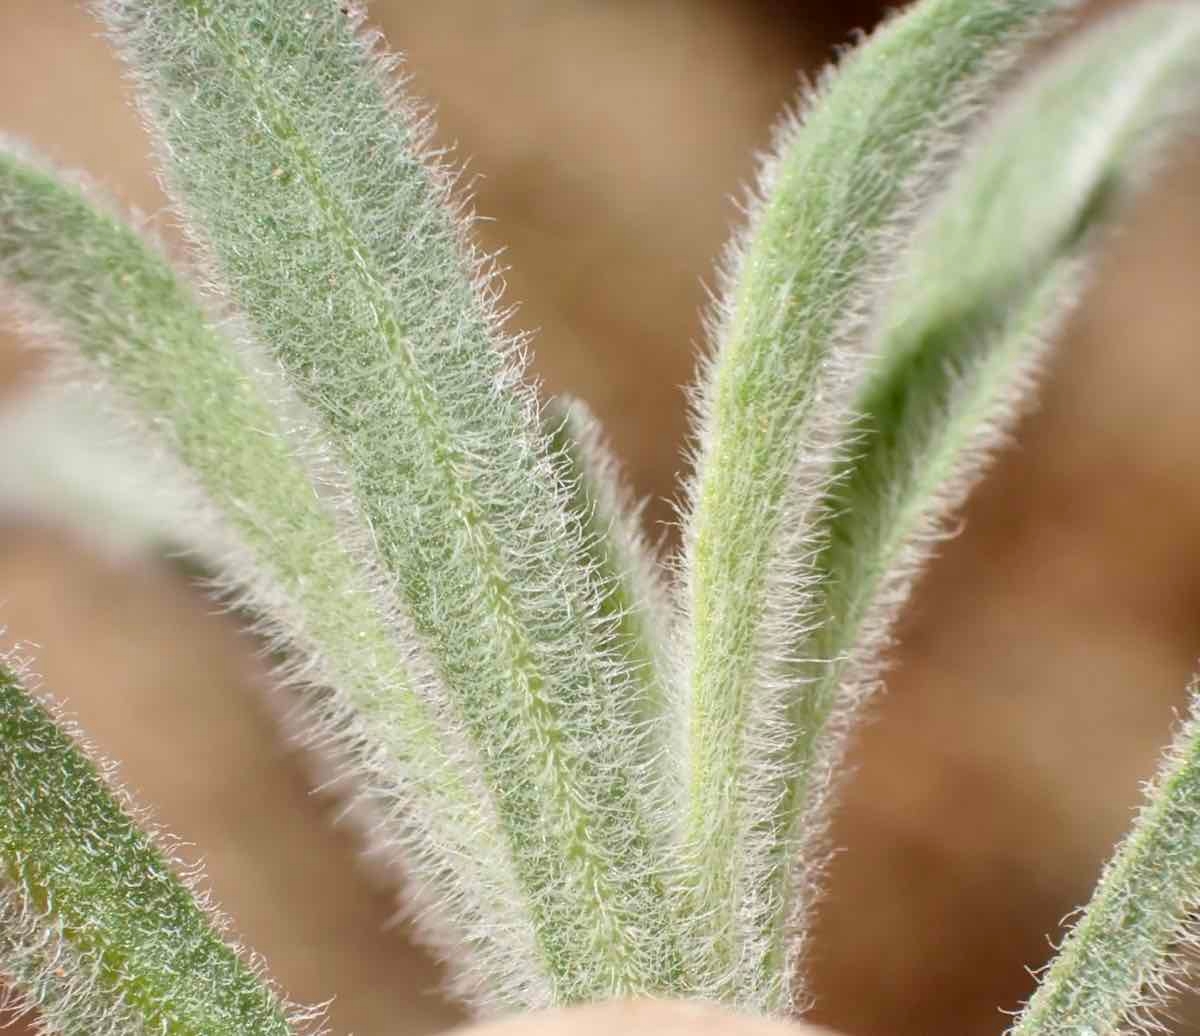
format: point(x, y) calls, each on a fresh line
point(1041, 665)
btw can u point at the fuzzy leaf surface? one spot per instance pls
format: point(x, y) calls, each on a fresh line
point(49, 983)
point(272, 523)
point(993, 271)
point(840, 187)
point(306, 181)
point(75, 867)
point(635, 600)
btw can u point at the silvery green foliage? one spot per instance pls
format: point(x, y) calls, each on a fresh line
point(1016, 225)
point(267, 509)
point(354, 271)
point(958, 340)
point(97, 933)
point(478, 629)
point(840, 189)
point(48, 981)
point(636, 598)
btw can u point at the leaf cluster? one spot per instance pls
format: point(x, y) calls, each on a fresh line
point(595, 773)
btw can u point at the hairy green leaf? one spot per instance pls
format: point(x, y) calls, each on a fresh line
point(275, 522)
point(306, 181)
point(838, 190)
point(635, 600)
point(960, 339)
point(97, 930)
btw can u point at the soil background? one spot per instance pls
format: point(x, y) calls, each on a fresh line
point(1041, 666)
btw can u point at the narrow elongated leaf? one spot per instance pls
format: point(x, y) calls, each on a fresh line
point(97, 930)
point(1117, 964)
point(305, 180)
point(635, 600)
point(960, 340)
point(289, 544)
point(837, 191)
point(991, 274)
